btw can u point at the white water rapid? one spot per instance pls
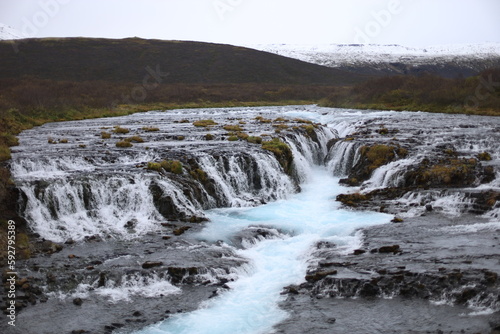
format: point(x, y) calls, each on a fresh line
point(251, 304)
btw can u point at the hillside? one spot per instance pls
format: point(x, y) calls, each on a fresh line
point(126, 60)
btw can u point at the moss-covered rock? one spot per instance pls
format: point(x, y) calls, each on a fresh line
point(373, 157)
point(446, 172)
point(281, 151)
point(484, 156)
point(353, 200)
point(124, 144)
point(204, 123)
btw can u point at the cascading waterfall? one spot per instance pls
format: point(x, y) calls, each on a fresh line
point(252, 204)
point(251, 304)
point(342, 156)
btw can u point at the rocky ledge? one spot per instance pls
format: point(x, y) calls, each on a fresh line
point(429, 260)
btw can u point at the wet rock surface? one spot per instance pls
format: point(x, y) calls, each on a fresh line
point(423, 262)
point(118, 282)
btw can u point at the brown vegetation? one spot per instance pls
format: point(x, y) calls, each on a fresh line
point(474, 95)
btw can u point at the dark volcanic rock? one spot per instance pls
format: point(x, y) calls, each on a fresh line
point(151, 264)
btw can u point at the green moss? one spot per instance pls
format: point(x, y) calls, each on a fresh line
point(262, 119)
point(204, 123)
point(124, 143)
point(383, 131)
point(105, 135)
point(173, 166)
point(300, 120)
point(232, 138)
point(281, 151)
point(154, 166)
point(199, 174)
point(119, 129)
point(150, 129)
point(309, 129)
point(181, 137)
point(209, 136)
point(281, 126)
point(4, 153)
point(446, 173)
point(378, 155)
point(23, 246)
point(254, 139)
point(134, 139)
point(242, 135)
point(234, 128)
point(7, 139)
point(484, 156)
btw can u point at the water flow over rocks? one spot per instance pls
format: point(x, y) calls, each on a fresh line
point(131, 196)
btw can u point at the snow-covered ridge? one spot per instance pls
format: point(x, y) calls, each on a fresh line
point(8, 33)
point(335, 55)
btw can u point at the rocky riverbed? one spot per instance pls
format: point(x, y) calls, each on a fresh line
point(124, 251)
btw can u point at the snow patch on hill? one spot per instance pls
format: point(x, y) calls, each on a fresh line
point(9, 33)
point(335, 55)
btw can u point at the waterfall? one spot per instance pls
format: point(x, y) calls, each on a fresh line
point(342, 156)
point(389, 175)
point(71, 195)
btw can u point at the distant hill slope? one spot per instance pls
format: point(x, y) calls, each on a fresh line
point(126, 60)
point(448, 61)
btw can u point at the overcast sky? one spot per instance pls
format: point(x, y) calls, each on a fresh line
point(241, 22)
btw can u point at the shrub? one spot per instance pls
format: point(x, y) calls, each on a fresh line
point(204, 123)
point(209, 136)
point(232, 138)
point(124, 143)
point(119, 129)
point(63, 141)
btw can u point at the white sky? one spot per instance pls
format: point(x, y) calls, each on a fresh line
point(241, 22)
